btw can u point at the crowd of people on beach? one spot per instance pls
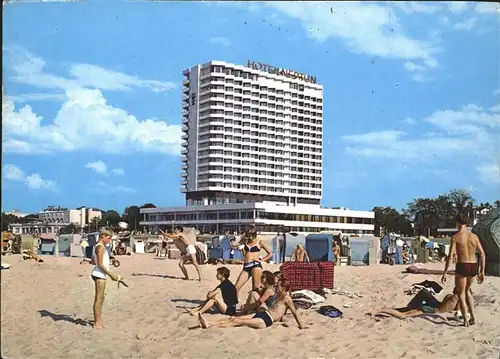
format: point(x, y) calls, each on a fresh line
point(269, 299)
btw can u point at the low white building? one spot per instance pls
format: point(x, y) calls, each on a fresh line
point(36, 227)
point(79, 217)
point(267, 217)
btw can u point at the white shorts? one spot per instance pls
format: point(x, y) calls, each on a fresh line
point(190, 249)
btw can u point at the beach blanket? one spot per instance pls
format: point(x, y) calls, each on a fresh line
point(308, 295)
point(303, 303)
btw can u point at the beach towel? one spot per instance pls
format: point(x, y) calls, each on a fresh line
point(303, 303)
point(330, 311)
point(308, 295)
point(430, 284)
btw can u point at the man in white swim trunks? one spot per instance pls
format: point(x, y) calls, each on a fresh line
point(188, 249)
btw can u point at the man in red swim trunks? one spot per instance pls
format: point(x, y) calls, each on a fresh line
point(465, 244)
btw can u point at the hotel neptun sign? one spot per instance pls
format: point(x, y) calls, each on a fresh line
point(282, 72)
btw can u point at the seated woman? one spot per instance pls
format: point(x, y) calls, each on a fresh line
point(262, 298)
point(423, 303)
point(261, 319)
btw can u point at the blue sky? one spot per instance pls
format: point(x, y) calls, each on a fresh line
point(91, 103)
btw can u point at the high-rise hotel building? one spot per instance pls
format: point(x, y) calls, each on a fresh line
point(251, 135)
point(252, 153)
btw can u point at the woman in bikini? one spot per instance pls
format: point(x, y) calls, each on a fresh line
point(252, 266)
point(264, 297)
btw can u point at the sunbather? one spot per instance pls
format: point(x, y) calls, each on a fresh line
point(423, 303)
point(262, 319)
point(223, 297)
point(264, 297)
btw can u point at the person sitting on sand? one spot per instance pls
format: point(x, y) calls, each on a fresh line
point(264, 297)
point(223, 297)
point(188, 250)
point(299, 254)
point(264, 318)
point(423, 303)
point(100, 273)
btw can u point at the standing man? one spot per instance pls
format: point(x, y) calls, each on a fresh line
point(183, 242)
point(464, 244)
point(283, 248)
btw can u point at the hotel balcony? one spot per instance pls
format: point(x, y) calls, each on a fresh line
point(184, 159)
point(184, 152)
point(184, 166)
point(185, 128)
point(184, 144)
point(185, 83)
point(184, 136)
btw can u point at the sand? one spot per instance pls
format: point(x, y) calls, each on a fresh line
point(46, 310)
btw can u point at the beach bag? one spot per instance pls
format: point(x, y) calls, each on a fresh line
point(201, 258)
point(330, 311)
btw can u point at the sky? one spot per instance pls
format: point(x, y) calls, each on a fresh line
point(92, 95)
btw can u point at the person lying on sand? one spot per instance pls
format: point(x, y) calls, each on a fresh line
point(423, 303)
point(264, 297)
point(223, 297)
point(262, 319)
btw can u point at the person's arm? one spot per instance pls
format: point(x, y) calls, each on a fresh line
point(268, 250)
point(213, 293)
point(483, 260)
point(293, 255)
point(291, 306)
point(307, 256)
point(265, 296)
point(448, 260)
point(100, 255)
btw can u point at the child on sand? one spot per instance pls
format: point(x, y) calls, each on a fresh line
point(223, 297)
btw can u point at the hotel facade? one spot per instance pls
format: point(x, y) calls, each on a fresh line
point(253, 153)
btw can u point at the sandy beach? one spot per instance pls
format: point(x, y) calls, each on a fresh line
point(46, 309)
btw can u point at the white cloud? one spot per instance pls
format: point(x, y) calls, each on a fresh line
point(470, 132)
point(411, 66)
point(409, 121)
point(98, 166)
point(495, 108)
point(84, 119)
point(457, 7)
point(29, 97)
point(489, 174)
point(106, 188)
point(224, 41)
point(487, 8)
point(118, 171)
point(13, 173)
point(367, 28)
point(410, 7)
point(467, 24)
point(33, 181)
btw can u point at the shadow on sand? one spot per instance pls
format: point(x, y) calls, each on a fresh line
point(64, 317)
point(191, 301)
point(157, 276)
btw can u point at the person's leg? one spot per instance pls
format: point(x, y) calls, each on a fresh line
point(217, 300)
point(100, 288)
point(183, 268)
point(246, 321)
point(256, 277)
point(461, 285)
point(470, 300)
point(400, 315)
point(195, 263)
point(242, 279)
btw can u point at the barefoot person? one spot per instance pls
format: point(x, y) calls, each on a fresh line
point(223, 297)
point(423, 303)
point(465, 244)
point(252, 266)
point(264, 297)
point(100, 273)
point(185, 244)
point(262, 319)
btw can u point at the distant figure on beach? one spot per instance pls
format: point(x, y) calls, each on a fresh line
point(423, 303)
point(465, 244)
point(299, 254)
point(337, 246)
point(100, 272)
point(185, 244)
point(223, 297)
point(261, 319)
point(252, 266)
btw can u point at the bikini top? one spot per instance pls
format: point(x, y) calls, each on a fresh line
point(254, 248)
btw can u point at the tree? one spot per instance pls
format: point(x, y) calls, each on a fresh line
point(94, 224)
point(132, 216)
point(391, 221)
point(110, 218)
point(425, 214)
point(69, 229)
point(7, 220)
